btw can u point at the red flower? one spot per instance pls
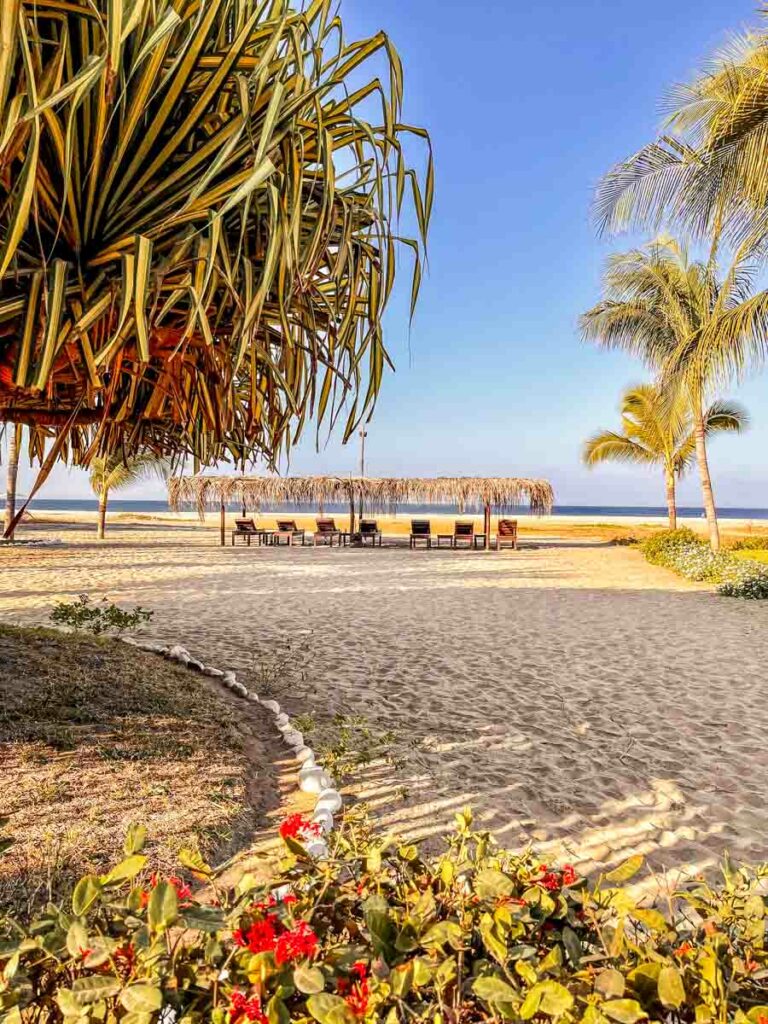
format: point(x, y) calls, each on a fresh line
point(297, 826)
point(681, 950)
point(183, 891)
point(85, 953)
point(259, 938)
point(240, 1006)
point(300, 942)
point(762, 1018)
point(289, 900)
point(125, 957)
point(550, 881)
point(569, 875)
point(750, 963)
point(356, 993)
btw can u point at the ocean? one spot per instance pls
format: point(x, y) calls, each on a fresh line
point(590, 511)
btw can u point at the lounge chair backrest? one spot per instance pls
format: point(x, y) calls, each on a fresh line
point(287, 526)
point(369, 526)
point(245, 526)
point(421, 527)
point(326, 526)
point(507, 527)
point(464, 530)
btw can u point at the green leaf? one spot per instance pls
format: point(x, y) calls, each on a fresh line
point(77, 939)
point(329, 1009)
point(572, 945)
point(203, 918)
point(548, 997)
point(671, 987)
point(135, 838)
point(627, 869)
point(85, 894)
point(193, 860)
point(610, 983)
point(625, 1011)
point(309, 980)
point(94, 987)
point(163, 907)
point(126, 869)
point(652, 919)
point(141, 998)
point(491, 884)
point(493, 990)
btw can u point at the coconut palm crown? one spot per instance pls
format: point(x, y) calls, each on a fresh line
point(199, 232)
point(657, 430)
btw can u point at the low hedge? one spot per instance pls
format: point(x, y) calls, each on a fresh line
point(380, 932)
point(683, 552)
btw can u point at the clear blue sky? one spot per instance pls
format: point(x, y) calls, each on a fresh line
point(528, 104)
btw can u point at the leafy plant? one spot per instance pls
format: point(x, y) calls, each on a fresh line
point(102, 618)
point(750, 544)
point(682, 551)
point(379, 932)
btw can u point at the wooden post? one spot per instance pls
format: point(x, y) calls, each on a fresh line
point(223, 524)
point(487, 527)
point(351, 512)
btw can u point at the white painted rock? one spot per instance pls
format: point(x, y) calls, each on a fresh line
point(271, 705)
point(329, 800)
point(281, 720)
point(131, 642)
point(229, 678)
point(214, 673)
point(324, 819)
point(304, 755)
point(179, 653)
point(317, 849)
point(313, 780)
point(196, 666)
point(239, 689)
point(290, 736)
point(253, 697)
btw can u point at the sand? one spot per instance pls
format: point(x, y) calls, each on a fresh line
point(575, 696)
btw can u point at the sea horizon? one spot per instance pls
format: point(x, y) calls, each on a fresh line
point(586, 511)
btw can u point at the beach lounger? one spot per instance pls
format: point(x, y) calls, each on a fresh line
point(463, 533)
point(369, 529)
point(245, 528)
point(421, 530)
point(288, 531)
point(506, 534)
point(326, 531)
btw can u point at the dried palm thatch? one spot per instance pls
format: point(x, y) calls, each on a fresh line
point(377, 494)
point(196, 223)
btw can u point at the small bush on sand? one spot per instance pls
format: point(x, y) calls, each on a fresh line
point(684, 553)
point(99, 618)
point(377, 932)
point(750, 544)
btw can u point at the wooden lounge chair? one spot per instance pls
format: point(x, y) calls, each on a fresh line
point(369, 529)
point(288, 531)
point(463, 532)
point(421, 529)
point(245, 528)
point(506, 534)
point(326, 531)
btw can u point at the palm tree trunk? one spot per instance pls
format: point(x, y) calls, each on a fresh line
point(707, 494)
point(14, 443)
point(671, 499)
point(103, 498)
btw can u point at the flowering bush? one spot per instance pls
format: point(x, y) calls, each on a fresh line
point(684, 553)
point(751, 544)
point(380, 932)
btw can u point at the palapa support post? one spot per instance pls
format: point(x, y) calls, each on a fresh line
point(351, 512)
point(487, 526)
point(223, 523)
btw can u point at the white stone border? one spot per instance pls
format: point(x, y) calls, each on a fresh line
point(312, 777)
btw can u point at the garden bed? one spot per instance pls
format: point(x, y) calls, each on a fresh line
point(95, 735)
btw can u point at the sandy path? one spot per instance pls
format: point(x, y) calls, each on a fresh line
point(574, 695)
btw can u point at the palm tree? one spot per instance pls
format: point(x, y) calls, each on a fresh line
point(199, 224)
point(685, 323)
point(14, 446)
point(113, 472)
point(657, 430)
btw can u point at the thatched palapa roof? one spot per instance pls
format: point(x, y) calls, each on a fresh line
point(376, 493)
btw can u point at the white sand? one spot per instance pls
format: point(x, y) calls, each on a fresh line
point(573, 695)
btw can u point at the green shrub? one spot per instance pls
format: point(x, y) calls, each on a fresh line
point(97, 619)
point(750, 544)
point(659, 547)
point(378, 932)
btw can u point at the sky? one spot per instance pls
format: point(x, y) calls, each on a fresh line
point(528, 104)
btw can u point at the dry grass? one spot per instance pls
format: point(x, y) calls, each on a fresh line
point(94, 735)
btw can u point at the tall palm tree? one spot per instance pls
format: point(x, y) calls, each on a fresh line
point(111, 473)
point(677, 315)
point(657, 430)
point(11, 475)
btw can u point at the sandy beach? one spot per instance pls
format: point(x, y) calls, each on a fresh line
point(575, 696)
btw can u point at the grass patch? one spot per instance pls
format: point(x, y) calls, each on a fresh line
point(95, 734)
point(748, 555)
